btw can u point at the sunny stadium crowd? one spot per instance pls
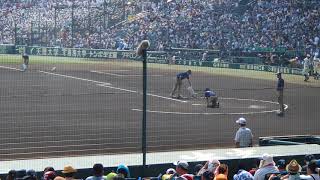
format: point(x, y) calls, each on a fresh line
point(266, 168)
point(206, 24)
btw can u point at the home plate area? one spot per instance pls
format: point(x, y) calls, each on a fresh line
point(228, 106)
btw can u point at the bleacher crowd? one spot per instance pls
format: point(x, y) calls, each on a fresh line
point(203, 24)
point(264, 169)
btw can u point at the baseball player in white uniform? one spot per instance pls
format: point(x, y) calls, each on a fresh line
point(306, 67)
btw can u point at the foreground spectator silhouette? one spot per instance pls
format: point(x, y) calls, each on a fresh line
point(97, 172)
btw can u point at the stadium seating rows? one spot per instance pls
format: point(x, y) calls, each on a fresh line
point(192, 24)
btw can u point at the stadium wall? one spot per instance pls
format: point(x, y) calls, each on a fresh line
point(159, 57)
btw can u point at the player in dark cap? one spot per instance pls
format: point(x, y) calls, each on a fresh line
point(212, 98)
point(25, 64)
point(280, 87)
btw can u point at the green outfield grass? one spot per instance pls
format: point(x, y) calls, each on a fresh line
point(289, 78)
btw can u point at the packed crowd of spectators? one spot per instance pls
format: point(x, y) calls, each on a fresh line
point(264, 168)
point(203, 24)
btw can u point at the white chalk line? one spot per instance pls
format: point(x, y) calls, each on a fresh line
point(220, 113)
point(125, 75)
point(11, 68)
point(73, 77)
point(149, 94)
point(99, 83)
point(108, 85)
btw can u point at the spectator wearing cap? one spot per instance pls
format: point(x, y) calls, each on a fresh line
point(293, 169)
point(280, 88)
point(281, 164)
point(97, 172)
point(182, 169)
point(221, 172)
point(266, 166)
point(68, 173)
point(242, 174)
point(124, 170)
point(307, 159)
point(312, 173)
point(244, 135)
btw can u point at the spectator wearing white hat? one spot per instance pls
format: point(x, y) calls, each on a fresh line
point(266, 166)
point(244, 135)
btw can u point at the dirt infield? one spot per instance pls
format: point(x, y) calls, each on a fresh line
point(85, 109)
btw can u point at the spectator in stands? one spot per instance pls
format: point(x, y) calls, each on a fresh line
point(253, 170)
point(31, 175)
point(110, 176)
point(12, 174)
point(49, 175)
point(169, 173)
point(207, 175)
point(124, 170)
point(210, 166)
point(307, 159)
point(197, 168)
point(242, 174)
point(119, 177)
point(293, 169)
point(281, 164)
point(97, 172)
point(266, 166)
point(181, 167)
point(312, 173)
point(221, 172)
point(244, 135)
point(21, 173)
point(68, 173)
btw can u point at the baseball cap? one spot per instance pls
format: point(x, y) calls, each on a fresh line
point(308, 157)
point(241, 121)
point(281, 163)
point(182, 164)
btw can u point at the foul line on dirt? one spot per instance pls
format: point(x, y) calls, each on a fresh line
point(149, 94)
point(108, 85)
point(11, 68)
point(220, 113)
point(122, 75)
point(73, 77)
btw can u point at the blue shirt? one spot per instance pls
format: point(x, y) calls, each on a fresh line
point(280, 85)
point(183, 75)
point(209, 93)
